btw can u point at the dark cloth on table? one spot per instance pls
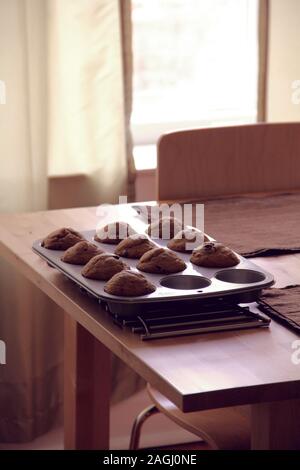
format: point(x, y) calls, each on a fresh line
point(254, 225)
point(264, 226)
point(283, 305)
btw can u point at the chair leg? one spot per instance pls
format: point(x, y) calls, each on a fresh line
point(137, 425)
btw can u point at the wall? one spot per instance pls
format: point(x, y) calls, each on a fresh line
point(283, 60)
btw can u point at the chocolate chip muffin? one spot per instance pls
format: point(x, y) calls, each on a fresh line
point(134, 246)
point(113, 233)
point(161, 261)
point(62, 239)
point(103, 267)
point(164, 228)
point(129, 284)
point(81, 253)
point(187, 240)
point(214, 255)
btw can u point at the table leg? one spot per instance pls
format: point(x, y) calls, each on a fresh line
point(276, 425)
point(86, 389)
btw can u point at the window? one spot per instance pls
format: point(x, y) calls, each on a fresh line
point(195, 64)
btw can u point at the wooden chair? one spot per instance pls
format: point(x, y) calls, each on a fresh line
point(228, 160)
point(214, 162)
point(222, 429)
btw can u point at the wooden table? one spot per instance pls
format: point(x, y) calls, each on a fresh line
point(195, 372)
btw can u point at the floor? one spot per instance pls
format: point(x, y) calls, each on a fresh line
point(157, 430)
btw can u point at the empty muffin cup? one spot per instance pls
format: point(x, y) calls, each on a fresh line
point(240, 276)
point(185, 282)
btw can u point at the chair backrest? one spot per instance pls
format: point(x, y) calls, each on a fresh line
point(228, 160)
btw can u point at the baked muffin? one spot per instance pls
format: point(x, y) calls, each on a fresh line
point(161, 261)
point(113, 233)
point(164, 228)
point(103, 267)
point(129, 284)
point(134, 246)
point(62, 239)
point(214, 255)
point(81, 253)
point(187, 240)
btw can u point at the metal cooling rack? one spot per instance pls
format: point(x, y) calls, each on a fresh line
point(201, 318)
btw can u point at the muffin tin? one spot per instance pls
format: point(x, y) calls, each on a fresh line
point(242, 284)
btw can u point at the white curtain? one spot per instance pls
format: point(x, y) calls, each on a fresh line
point(87, 118)
point(23, 123)
point(61, 62)
point(30, 382)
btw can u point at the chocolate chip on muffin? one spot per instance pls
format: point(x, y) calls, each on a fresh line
point(134, 246)
point(129, 284)
point(81, 253)
point(161, 261)
point(113, 233)
point(103, 267)
point(214, 255)
point(187, 240)
point(164, 228)
point(62, 239)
